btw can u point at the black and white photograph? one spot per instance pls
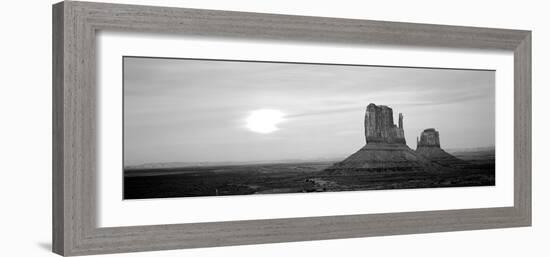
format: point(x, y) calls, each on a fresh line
point(146, 128)
point(201, 127)
point(277, 128)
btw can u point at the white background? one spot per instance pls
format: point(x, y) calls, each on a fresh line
point(25, 106)
point(114, 212)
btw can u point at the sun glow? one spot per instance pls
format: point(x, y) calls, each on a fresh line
point(264, 121)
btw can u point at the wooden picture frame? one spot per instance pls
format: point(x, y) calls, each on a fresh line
point(75, 24)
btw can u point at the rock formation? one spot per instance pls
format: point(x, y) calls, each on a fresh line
point(379, 127)
point(429, 147)
point(428, 138)
point(385, 147)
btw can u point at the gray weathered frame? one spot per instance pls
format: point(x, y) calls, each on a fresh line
point(74, 126)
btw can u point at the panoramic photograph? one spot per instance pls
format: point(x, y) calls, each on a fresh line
point(207, 127)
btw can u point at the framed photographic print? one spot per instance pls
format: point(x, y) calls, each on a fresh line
point(183, 128)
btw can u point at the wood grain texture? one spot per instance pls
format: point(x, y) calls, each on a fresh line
point(522, 128)
point(74, 124)
point(58, 191)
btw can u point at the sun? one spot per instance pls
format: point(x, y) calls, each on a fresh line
point(264, 121)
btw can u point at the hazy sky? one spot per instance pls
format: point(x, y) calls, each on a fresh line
point(178, 110)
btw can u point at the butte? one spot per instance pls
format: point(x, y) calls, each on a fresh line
point(429, 147)
point(385, 148)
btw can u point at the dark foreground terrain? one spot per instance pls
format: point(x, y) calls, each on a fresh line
point(299, 177)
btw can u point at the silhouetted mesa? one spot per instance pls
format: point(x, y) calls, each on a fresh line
point(428, 138)
point(429, 147)
point(379, 127)
point(385, 147)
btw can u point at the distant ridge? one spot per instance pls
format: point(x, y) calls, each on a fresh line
point(175, 165)
point(471, 149)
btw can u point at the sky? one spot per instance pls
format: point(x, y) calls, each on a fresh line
point(188, 111)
